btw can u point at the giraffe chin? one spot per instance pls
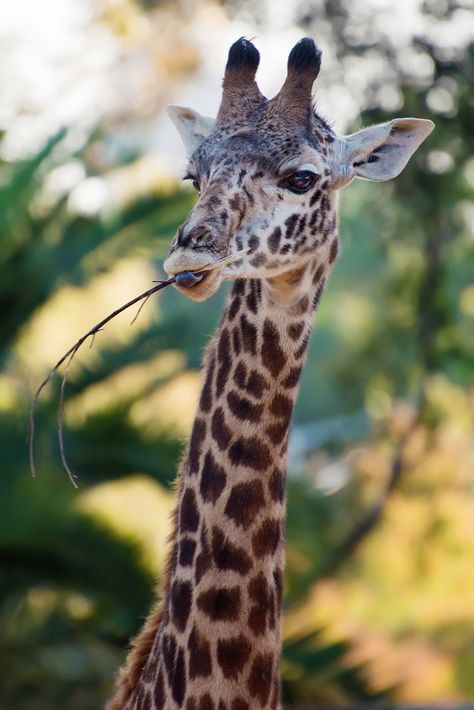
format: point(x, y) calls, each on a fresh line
point(203, 289)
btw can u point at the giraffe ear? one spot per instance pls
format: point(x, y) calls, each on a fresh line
point(379, 152)
point(192, 127)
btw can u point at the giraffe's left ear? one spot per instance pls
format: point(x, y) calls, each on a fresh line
point(378, 152)
point(192, 127)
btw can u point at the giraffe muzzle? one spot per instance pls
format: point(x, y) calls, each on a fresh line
point(181, 260)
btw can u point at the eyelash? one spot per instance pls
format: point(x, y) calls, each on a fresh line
point(188, 176)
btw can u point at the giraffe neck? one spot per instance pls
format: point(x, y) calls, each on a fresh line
point(217, 644)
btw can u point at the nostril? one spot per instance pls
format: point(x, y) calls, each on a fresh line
point(194, 237)
point(200, 236)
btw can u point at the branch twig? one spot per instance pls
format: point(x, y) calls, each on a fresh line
point(70, 354)
point(143, 297)
point(71, 475)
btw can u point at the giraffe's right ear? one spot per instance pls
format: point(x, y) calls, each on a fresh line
point(192, 127)
point(378, 152)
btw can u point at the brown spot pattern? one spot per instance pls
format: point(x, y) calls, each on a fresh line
point(204, 559)
point(315, 197)
point(206, 703)
point(228, 556)
point(292, 378)
point(200, 662)
point(302, 306)
point(278, 580)
point(251, 453)
point(290, 224)
point(273, 356)
point(234, 308)
point(295, 330)
point(274, 240)
point(262, 611)
point(181, 596)
point(243, 408)
point(319, 273)
point(281, 406)
point(258, 260)
point(299, 352)
point(244, 502)
point(187, 548)
point(256, 384)
point(240, 374)
point(213, 479)
point(197, 437)
point(265, 540)
point(159, 691)
point(236, 344)
point(220, 603)
point(219, 429)
point(232, 655)
point(205, 402)
point(260, 677)
point(178, 685)
point(277, 432)
point(240, 704)
point(224, 359)
point(318, 294)
point(189, 514)
point(249, 335)
point(276, 485)
point(252, 297)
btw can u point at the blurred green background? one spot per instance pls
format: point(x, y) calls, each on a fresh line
point(379, 604)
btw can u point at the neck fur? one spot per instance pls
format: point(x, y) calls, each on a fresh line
point(214, 642)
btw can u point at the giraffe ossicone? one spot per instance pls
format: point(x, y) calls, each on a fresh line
point(267, 172)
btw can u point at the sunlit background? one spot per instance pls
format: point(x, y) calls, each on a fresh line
point(379, 604)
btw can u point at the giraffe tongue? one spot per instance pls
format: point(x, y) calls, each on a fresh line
point(188, 278)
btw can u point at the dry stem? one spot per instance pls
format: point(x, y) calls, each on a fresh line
point(70, 354)
point(143, 297)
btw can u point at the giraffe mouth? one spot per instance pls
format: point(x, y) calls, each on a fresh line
point(198, 285)
point(188, 279)
point(199, 281)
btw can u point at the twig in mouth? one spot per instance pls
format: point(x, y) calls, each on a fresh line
point(70, 354)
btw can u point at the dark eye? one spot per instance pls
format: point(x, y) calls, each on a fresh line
point(196, 185)
point(300, 181)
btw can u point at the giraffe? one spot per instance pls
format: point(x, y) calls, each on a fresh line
point(267, 173)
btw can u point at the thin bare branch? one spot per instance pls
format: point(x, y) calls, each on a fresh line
point(139, 310)
point(143, 298)
point(72, 476)
point(70, 354)
point(91, 344)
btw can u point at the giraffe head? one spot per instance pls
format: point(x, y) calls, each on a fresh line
point(267, 172)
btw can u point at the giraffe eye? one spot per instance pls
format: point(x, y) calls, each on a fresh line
point(195, 181)
point(299, 182)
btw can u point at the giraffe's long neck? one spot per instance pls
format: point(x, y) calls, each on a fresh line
point(217, 644)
